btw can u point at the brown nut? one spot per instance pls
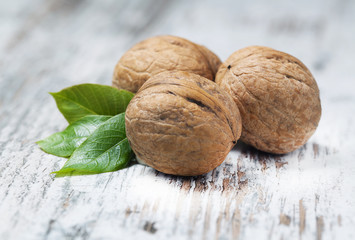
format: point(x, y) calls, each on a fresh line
point(277, 97)
point(181, 123)
point(159, 54)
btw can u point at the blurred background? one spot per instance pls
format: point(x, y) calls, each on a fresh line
point(64, 40)
point(47, 45)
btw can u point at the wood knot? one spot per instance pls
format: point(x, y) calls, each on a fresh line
point(149, 227)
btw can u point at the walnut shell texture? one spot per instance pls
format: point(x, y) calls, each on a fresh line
point(181, 123)
point(277, 97)
point(159, 54)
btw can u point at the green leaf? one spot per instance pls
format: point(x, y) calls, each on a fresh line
point(91, 99)
point(63, 144)
point(107, 149)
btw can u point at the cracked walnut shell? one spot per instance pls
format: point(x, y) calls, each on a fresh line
point(181, 123)
point(277, 97)
point(159, 54)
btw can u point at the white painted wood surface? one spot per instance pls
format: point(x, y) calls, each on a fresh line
point(48, 45)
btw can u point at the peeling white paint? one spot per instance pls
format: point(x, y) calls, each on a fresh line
point(48, 45)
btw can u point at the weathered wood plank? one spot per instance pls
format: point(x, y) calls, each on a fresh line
point(48, 45)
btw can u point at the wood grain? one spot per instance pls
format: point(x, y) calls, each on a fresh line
point(49, 45)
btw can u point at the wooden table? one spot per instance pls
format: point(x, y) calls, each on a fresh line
point(47, 45)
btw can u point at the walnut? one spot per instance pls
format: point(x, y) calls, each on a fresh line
point(181, 123)
point(277, 97)
point(159, 54)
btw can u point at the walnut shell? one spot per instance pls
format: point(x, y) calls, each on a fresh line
point(159, 54)
point(277, 97)
point(181, 123)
